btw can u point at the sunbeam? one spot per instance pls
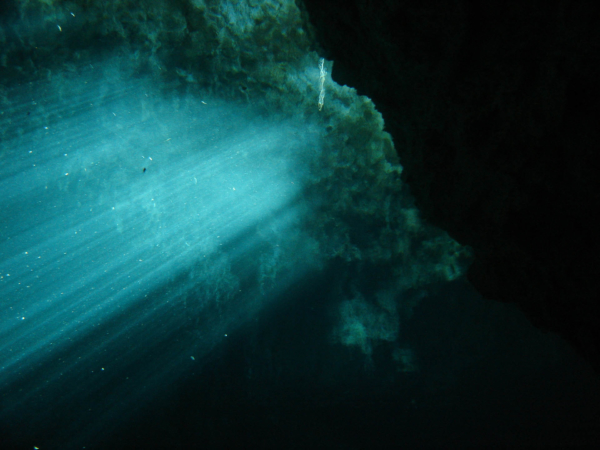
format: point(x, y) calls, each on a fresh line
point(129, 208)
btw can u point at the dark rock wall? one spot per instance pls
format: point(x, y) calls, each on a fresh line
point(493, 107)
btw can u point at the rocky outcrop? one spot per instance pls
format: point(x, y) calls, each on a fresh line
point(494, 110)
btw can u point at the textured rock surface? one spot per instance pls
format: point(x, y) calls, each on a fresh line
point(493, 110)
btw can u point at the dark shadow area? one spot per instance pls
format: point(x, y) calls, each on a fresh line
point(486, 378)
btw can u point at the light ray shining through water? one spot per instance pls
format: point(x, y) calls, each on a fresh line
point(123, 217)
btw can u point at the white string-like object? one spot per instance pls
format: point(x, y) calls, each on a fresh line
point(322, 80)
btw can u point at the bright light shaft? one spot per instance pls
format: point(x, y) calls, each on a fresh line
point(121, 192)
